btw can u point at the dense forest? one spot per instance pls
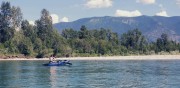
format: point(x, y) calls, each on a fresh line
point(18, 38)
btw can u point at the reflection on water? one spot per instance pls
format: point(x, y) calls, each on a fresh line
point(53, 77)
point(91, 74)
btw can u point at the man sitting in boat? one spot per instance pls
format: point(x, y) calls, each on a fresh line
point(52, 59)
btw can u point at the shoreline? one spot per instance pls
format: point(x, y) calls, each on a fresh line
point(141, 57)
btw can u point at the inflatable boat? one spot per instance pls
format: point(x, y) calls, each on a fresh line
point(58, 63)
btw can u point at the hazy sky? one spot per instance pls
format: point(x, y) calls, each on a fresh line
point(70, 10)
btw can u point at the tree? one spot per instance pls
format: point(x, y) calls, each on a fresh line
point(83, 33)
point(16, 18)
point(69, 34)
point(37, 45)
point(44, 25)
point(6, 15)
point(27, 29)
point(10, 19)
point(133, 40)
point(45, 28)
point(163, 44)
point(143, 47)
point(26, 47)
point(6, 32)
point(102, 47)
point(103, 34)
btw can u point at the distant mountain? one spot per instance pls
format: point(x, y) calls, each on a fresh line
point(151, 26)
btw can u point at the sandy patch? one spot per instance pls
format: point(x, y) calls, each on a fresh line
point(147, 57)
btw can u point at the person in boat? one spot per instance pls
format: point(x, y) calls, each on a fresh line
point(52, 59)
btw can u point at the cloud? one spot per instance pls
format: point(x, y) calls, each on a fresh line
point(31, 23)
point(55, 18)
point(146, 1)
point(178, 2)
point(162, 13)
point(124, 13)
point(99, 3)
point(64, 19)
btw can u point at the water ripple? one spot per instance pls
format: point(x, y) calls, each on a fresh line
point(91, 74)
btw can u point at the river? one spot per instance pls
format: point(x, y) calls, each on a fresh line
point(91, 74)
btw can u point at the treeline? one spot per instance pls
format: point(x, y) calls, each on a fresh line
point(92, 42)
point(19, 38)
point(105, 42)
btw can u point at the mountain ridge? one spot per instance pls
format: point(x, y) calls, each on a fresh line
point(151, 26)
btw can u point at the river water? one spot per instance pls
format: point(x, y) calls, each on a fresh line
point(91, 74)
